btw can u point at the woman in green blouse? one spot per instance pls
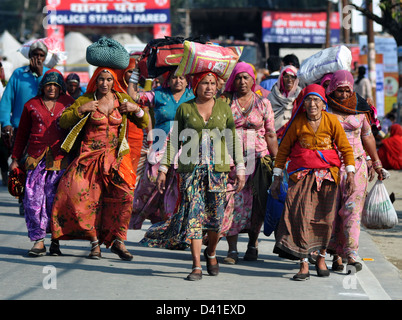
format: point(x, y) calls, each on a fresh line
point(204, 129)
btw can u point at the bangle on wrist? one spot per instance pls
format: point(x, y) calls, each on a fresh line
point(377, 164)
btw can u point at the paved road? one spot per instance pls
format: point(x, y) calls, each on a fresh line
point(158, 274)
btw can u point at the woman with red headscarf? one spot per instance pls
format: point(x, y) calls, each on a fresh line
point(310, 142)
point(95, 196)
point(254, 120)
point(354, 114)
point(205, 131)
point(390, 151)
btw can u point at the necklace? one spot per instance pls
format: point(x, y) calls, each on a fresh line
point(314, 119)
point(247, 106)
point(51, 110)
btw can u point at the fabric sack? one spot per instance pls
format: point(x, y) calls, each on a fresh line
point(378, 212)
point(325, 61)
point(169, 55)
point(199, 58)
point(108, 53)
point(152, 61)
point(274, 209)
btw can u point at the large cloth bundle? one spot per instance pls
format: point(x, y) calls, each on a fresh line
point(162, 55)
point(199, 58)
point(54, 53)
point(108, 53)
point(325, 61)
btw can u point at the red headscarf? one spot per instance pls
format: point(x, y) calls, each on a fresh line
point(198, 77)
point(312, 89)
point(390, 152)
point(121, 73)
point(116, 83)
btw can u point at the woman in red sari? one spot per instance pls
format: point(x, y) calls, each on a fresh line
point(95, 196)
point(390, 151)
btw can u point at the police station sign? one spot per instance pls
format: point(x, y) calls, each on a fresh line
point(296, 27)
point(108, 12)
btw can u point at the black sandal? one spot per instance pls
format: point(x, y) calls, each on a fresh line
point(35, 252)
point(251, 254)
point(195, 276)
point(54, 249)
point(302, 276)
point(213, 270)
point(353, 267)
point(336, 266)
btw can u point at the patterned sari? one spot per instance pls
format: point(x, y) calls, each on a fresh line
point(202, 206)
point(93, 200)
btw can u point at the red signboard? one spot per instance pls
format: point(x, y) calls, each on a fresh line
point(108, 12)
point(293, 27)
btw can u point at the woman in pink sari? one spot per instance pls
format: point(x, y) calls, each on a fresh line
point(353, 112)
point(254, 120)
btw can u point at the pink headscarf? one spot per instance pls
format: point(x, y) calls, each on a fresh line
point(340, 78)
point(239, 68)
point(290, 70)
point(326, 77)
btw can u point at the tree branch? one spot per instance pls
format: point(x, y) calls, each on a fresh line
point(368, 14)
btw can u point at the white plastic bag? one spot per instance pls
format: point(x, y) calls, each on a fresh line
point(325, 61)
point(54, 53)
point(378, 212)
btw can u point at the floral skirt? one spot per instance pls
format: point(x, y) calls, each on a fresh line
point(149, 203)
point(92, 200)
point(202, 207)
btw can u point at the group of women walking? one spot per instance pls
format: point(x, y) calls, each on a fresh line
point(211, 160)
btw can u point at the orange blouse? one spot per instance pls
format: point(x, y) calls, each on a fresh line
point(329, 135)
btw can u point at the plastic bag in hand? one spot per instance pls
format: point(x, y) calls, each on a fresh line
point(378, 212)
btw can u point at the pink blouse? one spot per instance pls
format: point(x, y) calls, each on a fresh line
point(254, 125)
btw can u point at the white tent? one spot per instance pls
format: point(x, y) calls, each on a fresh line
point(8, 48)
point(75, 44)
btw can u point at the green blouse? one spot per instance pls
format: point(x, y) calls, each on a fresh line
point(187, 132)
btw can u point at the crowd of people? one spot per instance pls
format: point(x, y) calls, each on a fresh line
point(197, 157)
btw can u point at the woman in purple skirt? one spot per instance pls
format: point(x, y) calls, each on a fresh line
point(40, 135)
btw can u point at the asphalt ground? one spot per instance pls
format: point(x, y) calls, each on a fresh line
point(157, 276)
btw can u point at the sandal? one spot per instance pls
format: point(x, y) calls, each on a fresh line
point(213, 270)
point(336, 266)
point(95, 255)
point(54, 249)
point(35, 252)
point(302, 276)
point(195, 276)
point(353, 267)
point(232, 257)
point(251, 254)
point(312, 257)
point(322, 272)
point(123, 254)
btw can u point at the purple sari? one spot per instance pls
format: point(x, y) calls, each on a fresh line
point(40, 189)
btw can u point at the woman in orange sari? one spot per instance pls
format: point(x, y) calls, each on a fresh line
point(135, 135)
point(311, 143)
point(95, 196)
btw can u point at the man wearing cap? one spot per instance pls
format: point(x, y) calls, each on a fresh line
point(22, 86)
